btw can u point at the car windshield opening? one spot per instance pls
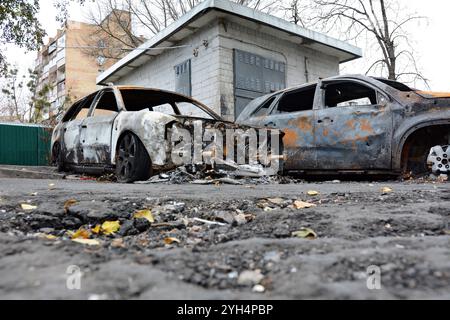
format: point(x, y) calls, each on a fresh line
point(137, 100)
point(162, 101)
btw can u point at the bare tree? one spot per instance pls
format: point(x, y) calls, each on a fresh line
point(381, 23)
point(14, 103)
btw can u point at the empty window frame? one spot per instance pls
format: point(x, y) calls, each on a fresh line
point(298, 100)
point(349, 93)
point(106, 106)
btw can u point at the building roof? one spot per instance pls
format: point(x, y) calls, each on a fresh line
point(210, 10)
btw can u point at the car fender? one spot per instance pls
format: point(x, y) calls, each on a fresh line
point(409, 126)
point(149, 127)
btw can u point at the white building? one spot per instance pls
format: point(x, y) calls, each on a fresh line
point(225, 55)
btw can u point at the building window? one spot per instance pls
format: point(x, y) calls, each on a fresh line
point(183, 78)
point(52, 47)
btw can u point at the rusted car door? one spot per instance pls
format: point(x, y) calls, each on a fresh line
point(353, 129)
point(293, 113)
point(96, 130)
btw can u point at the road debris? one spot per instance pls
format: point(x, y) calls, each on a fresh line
point(298, 204)
point(28, 207)
point(305, 233)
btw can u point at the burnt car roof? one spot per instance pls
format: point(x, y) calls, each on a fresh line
point(184, 98)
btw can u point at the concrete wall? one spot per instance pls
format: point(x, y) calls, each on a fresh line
point(159, 72)
point(212, 69)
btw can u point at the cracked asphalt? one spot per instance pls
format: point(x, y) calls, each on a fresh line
point(228, 241)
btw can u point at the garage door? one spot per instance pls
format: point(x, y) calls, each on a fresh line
point(255, 76)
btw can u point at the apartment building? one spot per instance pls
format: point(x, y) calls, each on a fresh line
point(70, 62)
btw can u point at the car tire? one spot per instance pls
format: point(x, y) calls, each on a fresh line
point(132, 160)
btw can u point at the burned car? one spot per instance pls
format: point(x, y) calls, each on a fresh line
point(138, 132)
point(358, 124)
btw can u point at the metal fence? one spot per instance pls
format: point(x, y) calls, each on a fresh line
point(25, 144)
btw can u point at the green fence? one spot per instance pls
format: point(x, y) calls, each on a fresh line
point(25, 145)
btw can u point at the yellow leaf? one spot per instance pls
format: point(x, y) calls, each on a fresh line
point(69, 203)
point(302, 205)
point(144, 214)
point(171, 240)
point(81, 234)
point(305, 233)
point(89, 242)
point(50, 237)
point(28, 207)
point(110, 227)
point(386, 190)
point(97, 229)
point(313, 193)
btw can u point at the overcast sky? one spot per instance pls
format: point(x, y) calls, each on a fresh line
point(431, 39)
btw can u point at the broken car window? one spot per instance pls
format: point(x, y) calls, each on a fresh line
point(348, 93)
point(191, 110)
point(298, 100)
point(264, 109)
point(80, 110)
point(106, 106)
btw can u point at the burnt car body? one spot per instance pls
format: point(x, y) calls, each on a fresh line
point(138, 132)
point(357, 124)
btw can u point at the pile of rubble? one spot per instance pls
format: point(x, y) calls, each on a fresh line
point(183, 175)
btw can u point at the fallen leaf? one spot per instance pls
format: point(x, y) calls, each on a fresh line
point(313, 193)
point(386, 190)
point(81, 234)
point(110, 227)
point(303, 205)
point(305, 233)
point(276, 200)
point(171, 240)
point(145, 214)
point(68, 204)
point(28, 207)
point(50, 237)
point(97, 229)
point(89, 242)
point(34, 194)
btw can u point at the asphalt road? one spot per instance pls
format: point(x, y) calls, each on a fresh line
point(249, 251)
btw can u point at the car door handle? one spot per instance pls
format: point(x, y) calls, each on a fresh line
point(325, 120)
point(84, 126)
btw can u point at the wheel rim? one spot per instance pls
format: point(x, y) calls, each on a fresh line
point(127, 156)
point(439, 159)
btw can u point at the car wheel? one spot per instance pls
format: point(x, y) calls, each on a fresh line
point(58, 158)
point(439, 159)
point(133, 162)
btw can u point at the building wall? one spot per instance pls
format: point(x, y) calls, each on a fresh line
point(159, 72)
point(212, 70)
point(235, 36)
point(81, 68)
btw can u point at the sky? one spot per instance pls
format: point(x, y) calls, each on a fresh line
point(430, 40)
